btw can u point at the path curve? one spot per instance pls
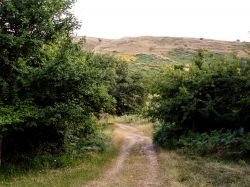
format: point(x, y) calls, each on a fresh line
point(132, 139)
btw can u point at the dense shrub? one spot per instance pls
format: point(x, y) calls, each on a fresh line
point(64, 97)
point(166, 135)
point(49, 96)
point(204, 106)
point(126, 88)
point(217, 143)
point(214, 95)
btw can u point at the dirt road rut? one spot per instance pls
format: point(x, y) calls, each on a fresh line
point(136, 164)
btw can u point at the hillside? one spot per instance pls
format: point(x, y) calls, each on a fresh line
point(165, 49)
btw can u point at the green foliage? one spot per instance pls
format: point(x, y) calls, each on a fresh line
point(15, 114)
point(213, 97)
point(25, 26)
point(65, 96)
point(166, 135)
point(200, 59)
point(50, 97)
point(204, 107)
point(51, 92)
point(218, 143)
point(130, 95)
point(126, 88)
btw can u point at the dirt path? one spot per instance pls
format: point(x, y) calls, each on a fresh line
point(136, 164)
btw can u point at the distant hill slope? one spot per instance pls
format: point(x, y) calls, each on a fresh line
point(165, 49)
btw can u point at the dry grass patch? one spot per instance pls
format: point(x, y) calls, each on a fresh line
point(134, 171)
point(158, 45)
point(146, 129)
point(142, 124)
point(180, 170)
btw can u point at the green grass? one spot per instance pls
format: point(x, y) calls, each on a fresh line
point(151, 59)
point(186, 56)
point(71, 170)
point(181, 55)
point(85, 169)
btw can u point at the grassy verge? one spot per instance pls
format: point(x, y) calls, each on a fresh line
point(181, 170)
point(85, 168)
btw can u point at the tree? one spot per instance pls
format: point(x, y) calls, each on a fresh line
point(25, 26)
point(126, 88)
point(49, 96)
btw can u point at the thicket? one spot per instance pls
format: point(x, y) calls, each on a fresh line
point(51, 91)
point(48, 95)
point(204, 106)
point(125, 86)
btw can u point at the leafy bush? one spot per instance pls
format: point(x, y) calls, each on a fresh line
point(50, 96)
point(126, 88)
point(204, 107)
point(216, 143)
point(65, 96)
point(166, 135)
point(213, 95)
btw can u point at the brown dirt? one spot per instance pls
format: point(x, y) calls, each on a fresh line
point(162, 45)
point(137, 163)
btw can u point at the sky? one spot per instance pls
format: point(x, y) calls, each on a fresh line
point(211, 19)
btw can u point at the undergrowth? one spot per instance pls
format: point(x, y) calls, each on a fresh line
point(217, 143)
point(92, 149)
